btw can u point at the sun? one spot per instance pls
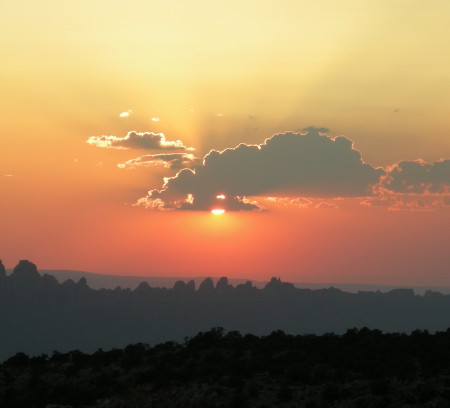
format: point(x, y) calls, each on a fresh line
point(218, 211)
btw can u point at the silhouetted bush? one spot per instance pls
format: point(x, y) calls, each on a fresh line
point(284, 393)
point(380, 386)
point(18, 360)
point(235, 370)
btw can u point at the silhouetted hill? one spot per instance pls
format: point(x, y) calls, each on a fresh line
point(362, 368)
point(40, 315)
point(104, 281)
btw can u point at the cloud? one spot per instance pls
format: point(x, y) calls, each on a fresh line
point(413, 185)
point(417, 177)
point(169, 160)
point(402, 202)
point(326, 205)
point(308, 164)
point(126, 113)
point(316, 129)
point(136, 140)
point(300, 202)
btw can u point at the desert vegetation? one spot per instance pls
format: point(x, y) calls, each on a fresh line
point(361, 368)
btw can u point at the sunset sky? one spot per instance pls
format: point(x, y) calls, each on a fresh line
point(335, 114)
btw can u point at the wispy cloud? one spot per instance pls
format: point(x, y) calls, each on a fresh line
point(327, 205)
point(413, 185)
point(300, 202)
point(417, 177)
point(126, 113)
point(136, 140)
point(169, 160)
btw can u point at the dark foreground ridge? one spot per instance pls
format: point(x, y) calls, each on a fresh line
point(39, 315)
point(362, 368)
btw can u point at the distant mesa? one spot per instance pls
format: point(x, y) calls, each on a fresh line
point(82, 283)
point(50, 281)
point(206, 286)
point(25, 274)
point(191, 286)
point(143, 288)
point(69, 284)
point(275, 285)
point(179, 286)
point(27, 269)
point(3, 277)
point(402, 293)
point(244, 287)
point(222, 285)
point(2, 271)
point(25, 277)
point(182, 287)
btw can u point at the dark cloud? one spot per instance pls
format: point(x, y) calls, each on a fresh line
point(169, 160)
point(316, 129)
point(417, 177)
point(413, 185)
point(136, 140)
point(310, 164)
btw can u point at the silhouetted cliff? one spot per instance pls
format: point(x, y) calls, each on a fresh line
point(2, 271)
point(39, 315)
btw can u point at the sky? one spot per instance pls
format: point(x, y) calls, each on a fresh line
point(323, 127)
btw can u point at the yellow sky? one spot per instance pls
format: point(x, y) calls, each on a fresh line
point(216, 73)
point(344, 65)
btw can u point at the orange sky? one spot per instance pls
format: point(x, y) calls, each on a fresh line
point(377, 73)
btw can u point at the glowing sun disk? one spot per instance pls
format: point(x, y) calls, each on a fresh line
point(218, 211)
